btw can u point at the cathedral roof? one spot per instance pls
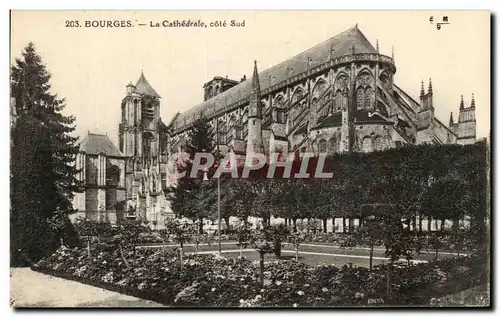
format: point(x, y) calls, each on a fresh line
point(333, 120)
point(96, 144)
point(339, 45)
point(143, 87)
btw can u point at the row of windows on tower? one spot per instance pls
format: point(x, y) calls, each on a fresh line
point(112, 175)
point(130, 114)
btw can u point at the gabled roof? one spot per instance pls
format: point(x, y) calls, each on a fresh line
point(339, 45)
point(96, 144)
point(143, 87)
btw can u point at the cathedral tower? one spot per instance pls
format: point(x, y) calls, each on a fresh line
point(139, 138)
point(254, 140)
point(467, 123)
point(425, 115)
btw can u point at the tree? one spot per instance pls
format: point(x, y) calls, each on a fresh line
point(42, 170)
point(370, 234)
point(279, 235)
point(296, 238)
point(195, 198)
point(294, 201)
point(90, 228)
point(129, 236)
point(244, 235)
point(181, 233)
point(261, 241)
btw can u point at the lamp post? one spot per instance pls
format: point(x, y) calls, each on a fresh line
point(205, 178)
point(218, 212)
point(218, 185)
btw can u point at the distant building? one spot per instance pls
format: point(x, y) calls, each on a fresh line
point(102, 173)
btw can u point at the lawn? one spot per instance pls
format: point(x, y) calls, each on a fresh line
point(311, 254)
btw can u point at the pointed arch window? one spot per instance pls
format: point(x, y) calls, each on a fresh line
point(360, 97)
point(279, 109)
point(338, 100)
point(368, 97)
point(333, 146)
point(235, 129)
point(367, 145)
point(113, 176)
point(244, 120)
point(322, 146)
point(222, 133)
point(378, 143)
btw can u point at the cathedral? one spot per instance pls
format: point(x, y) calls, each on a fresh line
point(338, 96)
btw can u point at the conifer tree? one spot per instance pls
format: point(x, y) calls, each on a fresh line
point(194, 198)
point(42, 156)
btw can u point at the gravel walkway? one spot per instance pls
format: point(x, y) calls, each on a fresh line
point(33, 289)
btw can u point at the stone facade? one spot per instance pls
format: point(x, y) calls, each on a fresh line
point(338, 96)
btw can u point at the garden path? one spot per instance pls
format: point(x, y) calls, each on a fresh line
point(33, 289)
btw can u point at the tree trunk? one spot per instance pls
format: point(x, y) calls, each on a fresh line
point(88, 248)
point(308, 224)
point(201, 225)
point(133, 248)
point(429, 224)
point(262, 269)
point(344, 227)
point(420, 223)
point(371, 257)
point(442, 224)
point(228, 226)
point(297, 253)
point(294, 220)
point(437, 253)
point(197, 246)
point(181, 255)
point(324, 225)
point(123, 257)
point(333, 225)
point(389, 280)
point(241, 251)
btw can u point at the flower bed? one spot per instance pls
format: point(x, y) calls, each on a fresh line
point(211, 280)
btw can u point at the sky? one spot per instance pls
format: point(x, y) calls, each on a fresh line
point(90, 67)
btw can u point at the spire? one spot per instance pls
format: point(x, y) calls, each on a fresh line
point(392, 53)
point(429, 91)
point(473, 101)
point(451, 118)
point(143, 87)
point(255, 105)
point(377, 47)
point(461, 102)
point(422, 91)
